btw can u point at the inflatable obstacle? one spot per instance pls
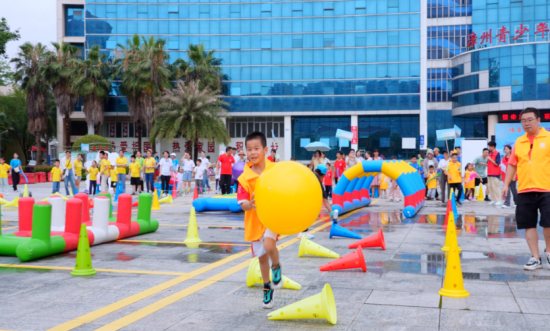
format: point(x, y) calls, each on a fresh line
point(218, 203)
point(352, 190)
point(53, 227)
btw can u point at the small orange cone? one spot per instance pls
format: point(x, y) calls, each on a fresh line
point(376, 240)
point(449, 209)
point(174, 191)
point(349, 261)
point(195, 194)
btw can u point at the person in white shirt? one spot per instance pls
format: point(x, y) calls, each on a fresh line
point(235, 156)
point(199, 172)
point(205, 161)
point(67, 168)
point(165, 172)
point(443, 182)
point(187, 165)
point(179, 180)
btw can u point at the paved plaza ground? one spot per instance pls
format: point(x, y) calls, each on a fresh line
point(155, 282)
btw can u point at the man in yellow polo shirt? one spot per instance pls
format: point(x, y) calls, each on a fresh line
point(104, 171)
point(454, 177)
point(530, 159)
point(121, 165)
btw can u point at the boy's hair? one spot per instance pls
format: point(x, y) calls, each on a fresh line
point(485, 149)
point(256, 135)
point(454, 154)
point(228, 148)
point(394, 157)
point(318, 172)
point(445, 152)
point(432, 167)
point(1, 158)
point(133, 157)
point(102, 152)
point(492, 144)
point(328, 164)
point(413, 157)
point(339, 153)
point(198, 161)
point(56, 160)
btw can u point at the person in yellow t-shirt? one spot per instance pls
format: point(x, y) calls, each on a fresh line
point(121, 165)
point(135, 174)
point(4, 171)
point(56, 177)
point(93, 171)
point(454, 177)
point(149, 169)
point(104, 166)
point(78, 172)
point(383, 186)
point(431, 183)
point(68, 172)
point(114, 177)
point(469, 181)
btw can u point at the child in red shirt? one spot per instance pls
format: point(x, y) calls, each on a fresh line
point(339, 166)
point(328, 181)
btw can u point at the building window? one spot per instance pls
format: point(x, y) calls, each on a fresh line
point(120, 130)
point(240, 127)
point(472, 126)
point(74, 21)
point(306, 130)
point(79, 128)
point(449, 8)
point(80, 53)
point(445, 42)
point(440, 85)
point(385, 132)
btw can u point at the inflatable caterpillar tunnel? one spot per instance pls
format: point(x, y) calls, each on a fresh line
point(352, 190)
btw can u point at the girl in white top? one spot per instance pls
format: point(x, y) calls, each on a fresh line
point(165, 172)
point(351, 160)
point(359, 157)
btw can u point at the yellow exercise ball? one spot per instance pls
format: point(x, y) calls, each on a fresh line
point(288, 198)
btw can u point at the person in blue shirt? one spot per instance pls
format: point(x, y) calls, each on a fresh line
point(437, 155)
point(418, 167)
point(15, 164)
point(175, 163)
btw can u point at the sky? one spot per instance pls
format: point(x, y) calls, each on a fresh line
point(35, 19)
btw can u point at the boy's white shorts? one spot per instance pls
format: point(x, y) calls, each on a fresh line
point(257, 247)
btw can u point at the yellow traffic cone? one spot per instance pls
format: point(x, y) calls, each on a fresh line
point(254, 276)
point(13, 203)
point(318, 306)
point(451, 238)
point(25, 192)
point(155, 201)
point(192, 231)
point(453, 286)
point(480, 196)
point(310, 248)
point(167, 199)
point(83, 266)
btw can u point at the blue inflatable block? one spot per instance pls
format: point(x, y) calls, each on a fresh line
point(217, 204)
point(337, 230)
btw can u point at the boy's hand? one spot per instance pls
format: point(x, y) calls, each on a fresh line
point(252, 203)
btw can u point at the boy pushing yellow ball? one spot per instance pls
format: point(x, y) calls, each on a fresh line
point(263, 240)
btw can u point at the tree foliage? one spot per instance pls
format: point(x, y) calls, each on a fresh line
point(6, 35)
point(13, 117)
point(191, 112)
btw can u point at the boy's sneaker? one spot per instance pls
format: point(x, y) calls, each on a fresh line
point(268, 296)
point(487, 199)
point(547, 257)
point(500, 203)
point(491, 202)
point(308, 235)
point(277, 277)
point(533, 264)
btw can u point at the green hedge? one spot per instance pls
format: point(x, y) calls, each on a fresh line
point(42, 168)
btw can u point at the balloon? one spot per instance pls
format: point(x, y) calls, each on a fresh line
point(238, 170)
point(288, 198)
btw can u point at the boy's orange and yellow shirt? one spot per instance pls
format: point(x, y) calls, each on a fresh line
point(253, 227)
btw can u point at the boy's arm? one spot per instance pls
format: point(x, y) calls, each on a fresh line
point(243, 198)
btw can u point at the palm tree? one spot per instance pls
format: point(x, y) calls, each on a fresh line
point(202, 67)
point(145, 75)
point(58, 72)
point(29, 66)
point(91, 82)
point(191, 112)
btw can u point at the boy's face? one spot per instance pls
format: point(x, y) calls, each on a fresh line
point(2, 161)
point(338, 156)
point(198, 163)
point(133, 159)
point(57, 164)
point(255, 151)
point(454, 158)
point(431, 169)
point(413, 160)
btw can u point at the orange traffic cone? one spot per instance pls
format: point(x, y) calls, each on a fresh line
point(174, 191)
point(349, 261)
point(449, 209)
point(376, 240)
point(195, 194)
